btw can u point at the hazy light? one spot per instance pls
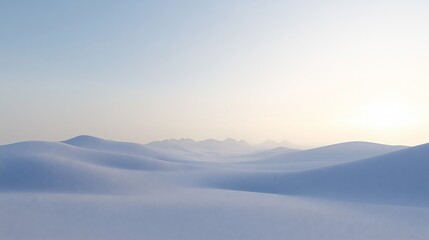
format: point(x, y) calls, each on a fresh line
point(388, 114)
point(312, 72)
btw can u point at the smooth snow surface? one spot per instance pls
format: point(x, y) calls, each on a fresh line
point(342, 152)
point(397, 178)
point(90, 188)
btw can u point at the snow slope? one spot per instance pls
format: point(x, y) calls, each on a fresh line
point(90, 188)
point(58, 167)
point(134, 149)
point(396, 178)
point(204, 214)
point(342, 152)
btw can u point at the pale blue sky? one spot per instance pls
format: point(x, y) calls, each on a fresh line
point(312, 72)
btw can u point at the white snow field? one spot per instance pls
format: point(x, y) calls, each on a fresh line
point(90, 188)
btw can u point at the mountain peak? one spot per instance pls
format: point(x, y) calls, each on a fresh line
point(83, 138)
point(231, 140)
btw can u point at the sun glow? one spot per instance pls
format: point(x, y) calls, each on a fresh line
point(386, 114)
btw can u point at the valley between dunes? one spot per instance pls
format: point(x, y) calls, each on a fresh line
point(91, 188)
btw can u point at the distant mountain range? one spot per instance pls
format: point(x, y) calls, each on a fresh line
point(209, 146)
point(215, 147)
point(270, 144)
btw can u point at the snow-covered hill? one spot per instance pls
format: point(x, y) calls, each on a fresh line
point(398, 178)
point(341, 152)
point(91, 188)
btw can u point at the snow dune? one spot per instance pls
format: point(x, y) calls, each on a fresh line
point(60, 167)
point(342, 152)
point(132, 149)
point(395, 178)
point(43, 166)
point(91, 188)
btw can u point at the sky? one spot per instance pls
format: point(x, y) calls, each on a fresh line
point(313, 72)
